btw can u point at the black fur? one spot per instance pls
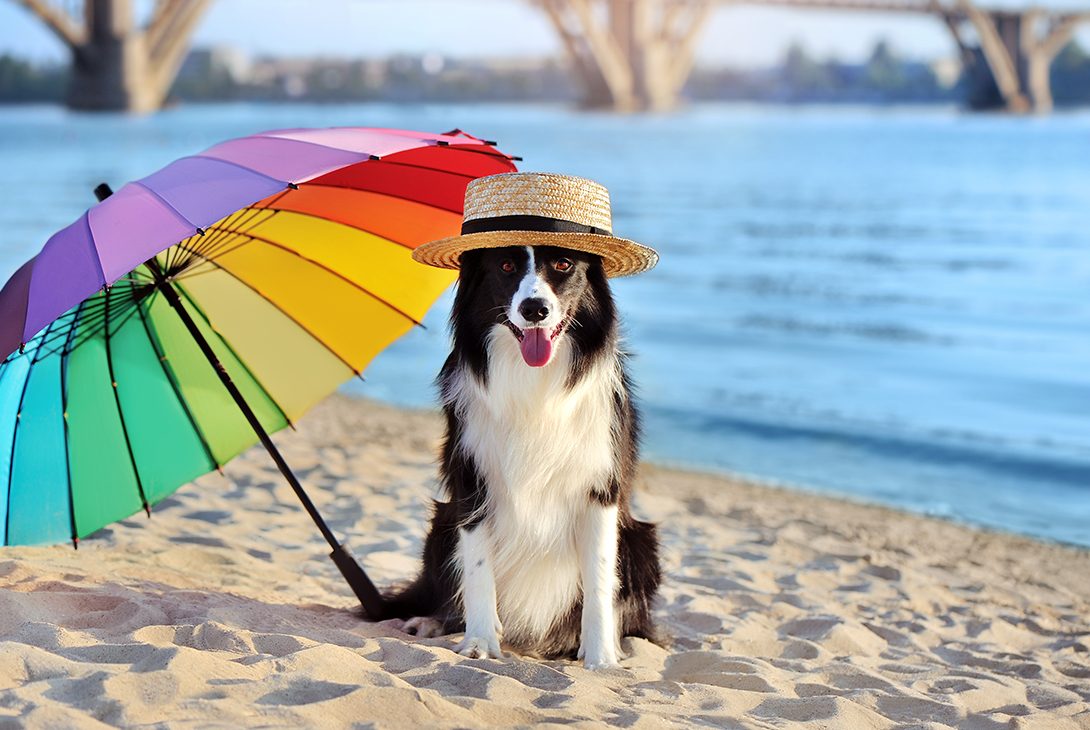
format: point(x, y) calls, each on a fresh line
point(484, 290)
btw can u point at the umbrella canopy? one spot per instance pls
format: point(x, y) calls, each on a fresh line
point(283, 258)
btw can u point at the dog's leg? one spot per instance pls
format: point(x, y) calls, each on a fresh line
point(598, 563)
point(478, 595)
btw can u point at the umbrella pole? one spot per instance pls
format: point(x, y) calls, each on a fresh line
point(357, 579)
point(361, 585)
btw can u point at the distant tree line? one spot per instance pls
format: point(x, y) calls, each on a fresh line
point(884, 78)
point(397, 79)
point(24, 82)
point(1071, 76)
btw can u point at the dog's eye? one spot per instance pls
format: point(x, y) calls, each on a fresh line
point(562, 264)
point(508, 266)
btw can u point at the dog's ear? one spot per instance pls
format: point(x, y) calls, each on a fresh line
point(596, 307)
point(596, 276)
point(597, 266)
point(469, 273)
point(465, 325)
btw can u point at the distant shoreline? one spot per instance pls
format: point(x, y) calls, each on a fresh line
point(758, 485)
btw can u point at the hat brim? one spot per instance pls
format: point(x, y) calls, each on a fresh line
point(620, 257)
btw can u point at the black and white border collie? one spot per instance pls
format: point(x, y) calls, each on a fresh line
point(536, 542)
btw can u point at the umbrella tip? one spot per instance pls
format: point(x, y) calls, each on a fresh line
point(22, 347)
point(147, 510)
point(292, 186)
point(75, 543)
point(374, 157)
point(103, 191)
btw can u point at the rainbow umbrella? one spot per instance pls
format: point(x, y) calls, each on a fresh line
point(203, 307)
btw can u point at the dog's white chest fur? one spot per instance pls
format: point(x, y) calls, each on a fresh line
point(542, 447)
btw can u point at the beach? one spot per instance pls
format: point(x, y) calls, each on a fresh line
point(780, 609)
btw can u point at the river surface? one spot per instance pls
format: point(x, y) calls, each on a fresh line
point(888, 304)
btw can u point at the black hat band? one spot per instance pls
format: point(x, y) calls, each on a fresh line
point(534, 223)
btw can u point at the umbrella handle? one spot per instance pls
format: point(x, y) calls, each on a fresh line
point(372, 602)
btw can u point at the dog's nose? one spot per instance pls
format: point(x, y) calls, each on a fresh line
point(534, 309)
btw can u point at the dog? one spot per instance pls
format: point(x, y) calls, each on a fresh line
point(535, 541)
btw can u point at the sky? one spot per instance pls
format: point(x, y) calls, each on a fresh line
point(737, 36)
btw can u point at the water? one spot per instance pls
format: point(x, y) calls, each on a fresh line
point(888, 304)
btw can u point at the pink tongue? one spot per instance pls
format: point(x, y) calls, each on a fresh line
point(536, 347)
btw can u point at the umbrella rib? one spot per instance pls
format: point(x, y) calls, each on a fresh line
point(225, 241)
point(365, 156)
point(224, 237)
point(387, 194)
point(424, 142)
point(94, 319)
point(98, 256)
point(128, 312)
point(15, 439)
point(92, 324)
point(117, 402)
point(89, 317)
point(168, 371)
point(181, 252)
point(282, 311)
point(238, 220)
point(22, 327)
point(65, 353)
point(332, 272)
point(392, 161)
point(354, 226)
point(50, 334)
point(168, 205)
point(242, 219)
point(250, 170)
point(230, 349)
point(177, 214)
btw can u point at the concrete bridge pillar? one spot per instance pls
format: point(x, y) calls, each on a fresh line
point(116, 64)
point(630, 55)
point(109, 65)
point(1010, 66)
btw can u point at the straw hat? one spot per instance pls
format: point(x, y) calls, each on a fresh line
point(542, 209)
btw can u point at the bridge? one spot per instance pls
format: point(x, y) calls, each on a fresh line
point(629, 55)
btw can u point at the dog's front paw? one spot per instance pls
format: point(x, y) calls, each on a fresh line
point(480, 647)
point(598, 657)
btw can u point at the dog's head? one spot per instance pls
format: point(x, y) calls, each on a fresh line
point(540, 294)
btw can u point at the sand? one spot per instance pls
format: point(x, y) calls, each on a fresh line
point(784, 609)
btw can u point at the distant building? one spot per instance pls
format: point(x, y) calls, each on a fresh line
point(947, 72)
point(206, 62)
